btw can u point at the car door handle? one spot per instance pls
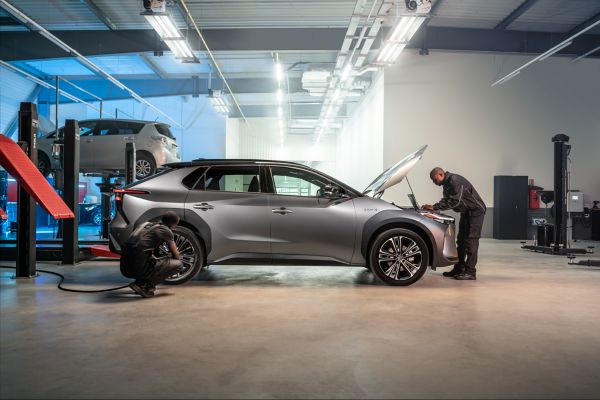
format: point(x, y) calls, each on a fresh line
point(89, 140)
point(282, 211)
point(127, 138)
point(203, 206)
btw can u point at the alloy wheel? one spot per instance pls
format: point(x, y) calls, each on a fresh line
point(188, 255)
point(142, 168)
point(400, 258)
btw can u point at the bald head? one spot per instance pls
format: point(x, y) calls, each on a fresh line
point(437, 175)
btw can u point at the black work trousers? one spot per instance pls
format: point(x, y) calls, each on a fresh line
point(467, 242)
point(146, 269)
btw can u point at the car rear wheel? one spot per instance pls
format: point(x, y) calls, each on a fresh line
point(398, 257)
point(97, 218)
point(192, 255)
point(144, 165)
point(43, 164)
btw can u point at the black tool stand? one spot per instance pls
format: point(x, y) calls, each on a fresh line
point(559, 245)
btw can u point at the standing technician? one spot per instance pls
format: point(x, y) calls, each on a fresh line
point(138, 261)
point(461, 196)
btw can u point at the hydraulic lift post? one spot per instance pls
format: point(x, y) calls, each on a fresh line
point(70, 237)
point(26, 205)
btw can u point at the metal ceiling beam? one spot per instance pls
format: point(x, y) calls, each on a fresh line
point(136, 41)
point(100, 42)
point(513, 16)
point(99, 14)
point(178, 87)
point(584, 25)
point(489, 40)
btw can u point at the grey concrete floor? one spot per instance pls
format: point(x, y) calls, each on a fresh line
point(527, 328)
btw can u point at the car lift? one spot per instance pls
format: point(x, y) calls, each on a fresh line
point(20, 161)
point(560, 244)
point(69, 249)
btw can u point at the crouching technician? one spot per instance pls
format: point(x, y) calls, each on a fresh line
point(461, 196)
point(138, 260)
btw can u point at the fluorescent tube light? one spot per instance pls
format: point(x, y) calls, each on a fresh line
point(278, 72)
point(279, 112)
point(346, 72)
point(506, 78)
point(336, 94)
point(279, 95)
point(555, 50)
point(163, 24)
point(397, 41)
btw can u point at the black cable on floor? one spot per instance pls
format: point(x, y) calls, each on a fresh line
point(62, 278)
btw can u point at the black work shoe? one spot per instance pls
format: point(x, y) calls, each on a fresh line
point(465, 277)
point(141, 290)
point(452, 274)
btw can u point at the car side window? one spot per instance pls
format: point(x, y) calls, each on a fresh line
point(106, 128)
point(86, 128)
point(129, 128)
point(295, 182)
point(243, 179)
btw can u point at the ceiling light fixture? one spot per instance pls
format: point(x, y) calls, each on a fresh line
point(218, 101)
point(164, 25)
point(399, 38)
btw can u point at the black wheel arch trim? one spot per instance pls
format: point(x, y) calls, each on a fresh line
point(389, 219)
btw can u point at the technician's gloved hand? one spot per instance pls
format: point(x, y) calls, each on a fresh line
point(428, 207)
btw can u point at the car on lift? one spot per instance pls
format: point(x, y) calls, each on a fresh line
point(102, 147)
point(272, 212)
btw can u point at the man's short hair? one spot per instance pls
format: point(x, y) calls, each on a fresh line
point(170, 218)
point(435, 171)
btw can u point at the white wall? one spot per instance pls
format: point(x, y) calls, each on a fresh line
point(445, 100)
point(260, 139)
point(359, 146)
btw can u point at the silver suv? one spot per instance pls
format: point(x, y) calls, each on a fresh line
point(250, 211)
point(102, 147)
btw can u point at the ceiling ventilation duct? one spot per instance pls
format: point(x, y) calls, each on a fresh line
point(316, 82)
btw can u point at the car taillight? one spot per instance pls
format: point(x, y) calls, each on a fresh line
point(120, 194)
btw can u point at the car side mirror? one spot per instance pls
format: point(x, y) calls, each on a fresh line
point(332, 192)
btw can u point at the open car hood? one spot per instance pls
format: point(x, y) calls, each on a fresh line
point(395, 174)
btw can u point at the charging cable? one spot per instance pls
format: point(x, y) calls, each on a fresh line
point(62, 278)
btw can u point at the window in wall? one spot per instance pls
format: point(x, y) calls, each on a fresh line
point(231, 179)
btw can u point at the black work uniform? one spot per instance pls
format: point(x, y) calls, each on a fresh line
point(461, 196)
point(137, 261)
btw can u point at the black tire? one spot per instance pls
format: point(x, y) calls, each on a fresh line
point(402, 270)
point(97, 218)
point(192, 255)
point(144, 165)
point(44, 165)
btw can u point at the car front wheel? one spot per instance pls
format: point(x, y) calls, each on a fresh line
point(192, 255)
point(398, 257)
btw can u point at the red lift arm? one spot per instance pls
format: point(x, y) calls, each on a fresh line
point(19, 166)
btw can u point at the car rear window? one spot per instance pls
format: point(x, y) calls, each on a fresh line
point(164, 130)
point(192, 178)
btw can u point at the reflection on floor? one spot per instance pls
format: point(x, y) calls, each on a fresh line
point(528, 327)
point(86, 232)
